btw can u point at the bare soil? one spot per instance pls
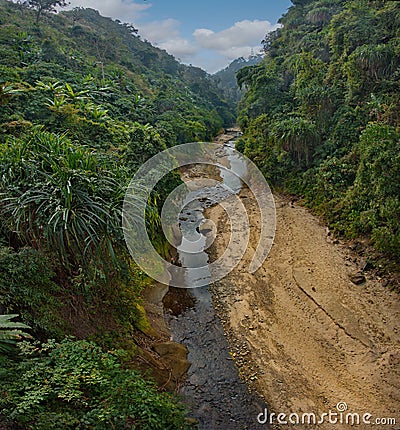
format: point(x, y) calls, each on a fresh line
point(302, 334)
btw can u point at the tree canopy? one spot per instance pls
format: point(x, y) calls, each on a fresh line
point(42, 6)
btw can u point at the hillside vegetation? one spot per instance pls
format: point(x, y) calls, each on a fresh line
point(321, 114)
point(226, 78)
point(83, 103)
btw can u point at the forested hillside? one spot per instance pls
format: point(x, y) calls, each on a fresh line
point(83, 103)
point(226, 78)
point(321, 114)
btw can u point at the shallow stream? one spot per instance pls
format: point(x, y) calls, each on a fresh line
point(213, 390)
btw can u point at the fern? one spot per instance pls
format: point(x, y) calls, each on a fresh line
point(11, 332)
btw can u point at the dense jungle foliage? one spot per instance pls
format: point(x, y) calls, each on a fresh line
point(83, 103)
point(321, 114)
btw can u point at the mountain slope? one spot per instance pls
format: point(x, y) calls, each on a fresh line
point(83, 103)
point(226, 78)
point(81, 43)
point(321, 114)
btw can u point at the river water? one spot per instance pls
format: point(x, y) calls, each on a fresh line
point(213, 390)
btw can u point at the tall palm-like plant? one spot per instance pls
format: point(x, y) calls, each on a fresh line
point(60, 196)
point(297, 136)
point(378, 61)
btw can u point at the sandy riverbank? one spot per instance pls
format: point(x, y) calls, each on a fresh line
point(303, 335)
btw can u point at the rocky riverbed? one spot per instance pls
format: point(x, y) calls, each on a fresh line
point(214, 391)
point(310, 330)
point(218, 397)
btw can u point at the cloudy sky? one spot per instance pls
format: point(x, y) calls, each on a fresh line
point(205, 33)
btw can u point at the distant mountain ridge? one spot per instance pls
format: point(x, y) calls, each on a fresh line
point(226, 78)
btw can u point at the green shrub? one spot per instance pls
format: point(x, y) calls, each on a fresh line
point(27, 288)
point(59, 196)
point(75, 385)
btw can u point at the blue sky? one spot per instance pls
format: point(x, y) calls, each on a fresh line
point(207, 33)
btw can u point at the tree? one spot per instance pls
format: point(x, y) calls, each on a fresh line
point(42, 6)
point(297, 136)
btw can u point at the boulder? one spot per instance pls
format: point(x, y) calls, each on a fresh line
point(170, 348)
point(357, 278)
point(174, 355)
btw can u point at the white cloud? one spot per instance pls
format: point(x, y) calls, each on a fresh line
point(239, 40)
point(124, 10)
point(211, 50)
point(160, 31)
point(166, 35)
point(242, 34)
point(179, 47)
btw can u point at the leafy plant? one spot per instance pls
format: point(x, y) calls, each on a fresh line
point(296, 136)
point(63, 198)
point(11, 332)
point(74, 384)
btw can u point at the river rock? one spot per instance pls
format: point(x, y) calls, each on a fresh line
point(174, 355)
point(171, 348)
point(192, 422)
point(176, 234)
point(357, 278)
point(206, 227)
point(179, 368)
point(154, 293)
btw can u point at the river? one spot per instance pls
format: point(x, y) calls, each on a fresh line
point(216, 395)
